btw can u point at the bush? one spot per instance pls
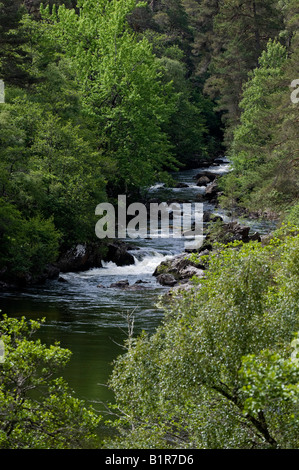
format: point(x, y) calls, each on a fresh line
point(37, 409)
point(207, 377)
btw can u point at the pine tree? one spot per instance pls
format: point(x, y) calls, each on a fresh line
point(201, 15)
point(241, 32)
point(13, 56)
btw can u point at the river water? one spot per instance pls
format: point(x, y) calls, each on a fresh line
point(90, 320)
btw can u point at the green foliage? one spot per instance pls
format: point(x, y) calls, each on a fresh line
point(187, 125)
point(206, 378)
point(121, 88)
point(37, 408)
point(241, 30)
point(13, 56)
point(48, 166)
point(254, 132)
point(51, 168)
point(264, 148)
point(27, 246)
point(292, 215)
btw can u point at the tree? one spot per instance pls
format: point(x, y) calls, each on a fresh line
point(120, 85)
point(37, 409)
point(187, 126)
point(193, 127)
point(264, 147)
point(13, 57)
point(205, 378)
point(50, 165)
point(241, 32)
point(201, 15)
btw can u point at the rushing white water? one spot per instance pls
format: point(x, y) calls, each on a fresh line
point(147, 265)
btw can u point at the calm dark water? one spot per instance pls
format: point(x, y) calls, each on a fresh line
point(90, 321)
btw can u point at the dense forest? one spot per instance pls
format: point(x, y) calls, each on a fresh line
point(108, 97)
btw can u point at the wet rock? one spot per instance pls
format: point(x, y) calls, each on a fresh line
point(180, 268)
point(215, 218)
point(207, 174)
point(212, 191)
point(118, 254)
point(229, 232)
point(191, 271)
point(132, 247)
point(218, 161)
point(180, 289)
point(209, 217)
point(135, 287)
point(62, 279)
point(121, 284)
point(80, 258)
point(255, 237)
point(206, 217)
point(203, 181)
point(181, 185)
point(166, 280)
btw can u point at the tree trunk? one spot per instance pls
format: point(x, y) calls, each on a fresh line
point(256, 30)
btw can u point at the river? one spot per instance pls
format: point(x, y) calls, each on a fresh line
point(90, 321)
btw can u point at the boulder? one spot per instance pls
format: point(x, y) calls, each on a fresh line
point(255, 237)
point(166, 280)
point(80, 258)
point(51, 271)
point(207, 174)
point(209, 217)
point(121, 284)
point(181, 185)
point(203, 181)
point(135, 287)
point(189, 271)
point(230, 232)
point(180, 289)
point(211, 191)
point(118, 254)
point(180, 268)
point(239, 232)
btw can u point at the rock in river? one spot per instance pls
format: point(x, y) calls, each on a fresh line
point(178, 269)
point(118, 254)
